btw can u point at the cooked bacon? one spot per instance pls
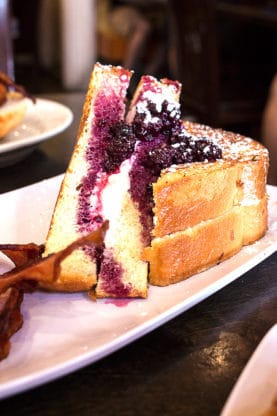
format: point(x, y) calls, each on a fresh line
point(46, 269)
point(11, 299)
point(20, 254)
point(11, 318)
point(30, 269)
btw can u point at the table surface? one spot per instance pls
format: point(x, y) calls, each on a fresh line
point(188, 366)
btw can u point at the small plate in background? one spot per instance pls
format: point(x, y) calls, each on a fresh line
point(43, 120)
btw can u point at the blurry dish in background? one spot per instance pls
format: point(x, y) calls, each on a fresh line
point(42, 121)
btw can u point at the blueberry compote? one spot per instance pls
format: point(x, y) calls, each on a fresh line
point(162, 142)
point(112, 142)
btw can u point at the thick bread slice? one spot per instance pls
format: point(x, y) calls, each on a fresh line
point(185, 195)
point(105, 98)
point(12, 112)
point(177, 256)
point(123, 273)
point(252, 191)
point(194, 197)
point(242, 149)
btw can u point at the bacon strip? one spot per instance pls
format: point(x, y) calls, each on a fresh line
point(44, 269)
point(30, 269)
point(11, 318)
point(21, 254)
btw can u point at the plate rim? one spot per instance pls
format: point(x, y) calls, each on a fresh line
point(70, 365)
point(13, 146)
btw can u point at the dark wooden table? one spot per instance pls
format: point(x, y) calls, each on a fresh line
point(188, 366)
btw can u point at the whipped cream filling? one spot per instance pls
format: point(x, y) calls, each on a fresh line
point(112, 197)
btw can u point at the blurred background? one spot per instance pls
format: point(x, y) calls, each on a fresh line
point(223, 52)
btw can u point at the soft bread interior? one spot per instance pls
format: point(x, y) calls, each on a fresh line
point(123, 242)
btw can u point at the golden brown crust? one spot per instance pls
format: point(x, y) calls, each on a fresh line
point(177, 256)
point(190, 194)
point(192, 200)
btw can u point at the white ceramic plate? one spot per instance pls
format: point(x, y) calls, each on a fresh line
point(43, 120)
point(64, 332)
point(256, 389)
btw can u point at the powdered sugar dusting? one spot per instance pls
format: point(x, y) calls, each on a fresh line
point(234, 146)
point(157, 99)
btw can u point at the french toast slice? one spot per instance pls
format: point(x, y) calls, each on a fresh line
point(79, 209)
point(123, 273)
point(208, 210)
point(164, 186)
